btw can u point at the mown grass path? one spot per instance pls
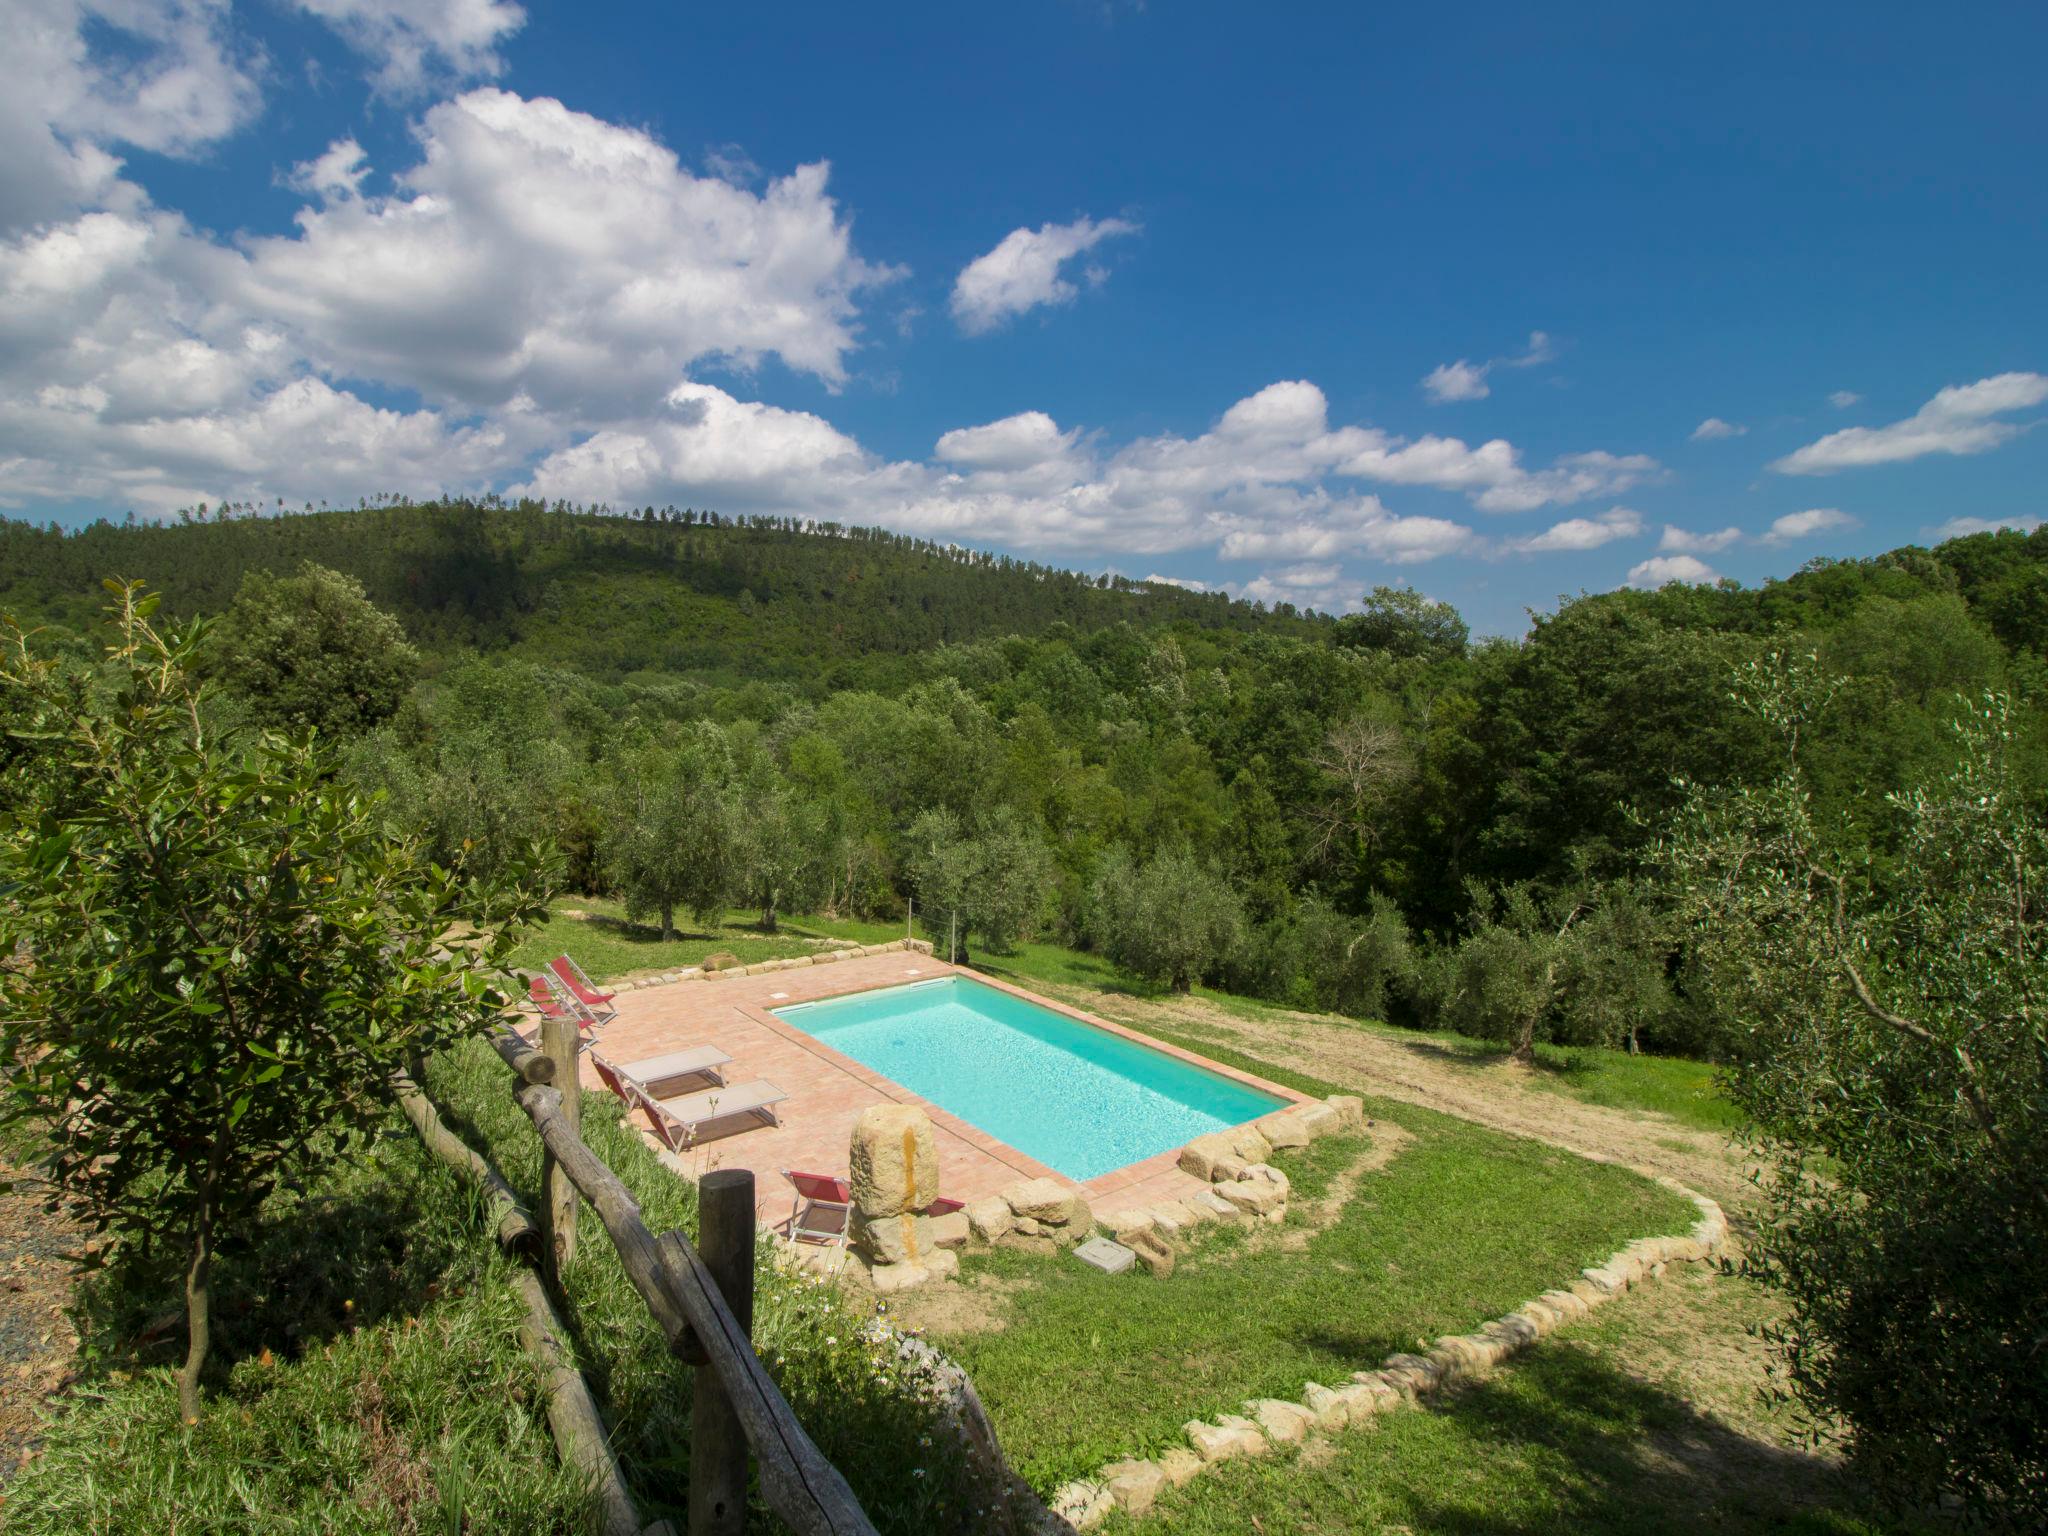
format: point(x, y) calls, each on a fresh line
point(1418, 1069)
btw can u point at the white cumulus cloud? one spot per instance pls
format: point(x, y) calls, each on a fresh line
point(1963, 527)
point(1662, 570)
point(1462, 380)
point(1842, 399)
point(79, 80)
point(1679, 541)
point(542, 251)
point(1961, 419)
point(1321, 587)
point(1448, 383)
point(1714, 427)
point(1804, 525)
point(415, 44)
point(1581, 533)
point(1024, 271)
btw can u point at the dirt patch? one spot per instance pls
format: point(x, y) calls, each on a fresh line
point(37, 1342)
point(396, 1482)
point(983, 1304)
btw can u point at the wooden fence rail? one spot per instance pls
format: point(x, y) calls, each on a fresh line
point(703, 1305)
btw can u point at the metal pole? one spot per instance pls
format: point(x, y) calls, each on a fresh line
point(718, 1444)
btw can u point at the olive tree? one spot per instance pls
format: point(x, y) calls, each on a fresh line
point(673, 840)
point(1172, 921)
point(1884, 1012)
point(226, 952)
point(990, 882)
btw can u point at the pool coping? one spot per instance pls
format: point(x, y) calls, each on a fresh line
point(1102, 1184)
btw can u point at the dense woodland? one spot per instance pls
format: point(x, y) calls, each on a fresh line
point(1381, 816)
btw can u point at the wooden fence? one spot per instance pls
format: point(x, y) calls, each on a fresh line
point(701, 1296)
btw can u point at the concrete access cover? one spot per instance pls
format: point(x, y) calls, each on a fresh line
point(1101, 1253)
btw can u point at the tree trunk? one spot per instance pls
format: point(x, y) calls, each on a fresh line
point(198, 1314)
point(768, 914)
point(668, 922)
point(1525, 1042)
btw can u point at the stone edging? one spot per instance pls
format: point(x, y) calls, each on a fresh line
point(1134, 1484)
point(841, 951)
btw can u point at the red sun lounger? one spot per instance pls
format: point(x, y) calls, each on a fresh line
point(584, 990)
point(553, 1003)
point(823, 1210)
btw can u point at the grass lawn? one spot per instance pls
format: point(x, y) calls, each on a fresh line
point(1565, 1443)
point(1462, 1225)
point(605, 943)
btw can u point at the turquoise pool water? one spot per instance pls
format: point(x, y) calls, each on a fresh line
point(1081, 1100)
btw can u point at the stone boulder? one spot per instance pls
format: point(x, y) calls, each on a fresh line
point(1284, 1131)
point(1200, 1156)
point(1350, 1111)
point(1081, 1504)
point(1319, 1120)
point(904, 1238)
point(1228, 1437)
point(1135, 1485)
point(988, 1219)
point(893, 1162)
point(1043, 1200)
point(1249, 1143)
point(1255, 1197)
point(1283, 1422)
point(947, 1231)
point(891, 1278)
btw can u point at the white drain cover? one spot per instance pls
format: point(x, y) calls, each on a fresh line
point(1101, 1253)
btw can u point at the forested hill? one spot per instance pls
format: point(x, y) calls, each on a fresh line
point(666, 592)
point(586, 676)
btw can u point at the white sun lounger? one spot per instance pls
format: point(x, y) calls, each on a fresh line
point(657, 1072)
point(699, 1117)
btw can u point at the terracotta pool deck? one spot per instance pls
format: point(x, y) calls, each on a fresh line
point(828, 1090)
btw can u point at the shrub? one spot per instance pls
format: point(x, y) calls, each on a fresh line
point(228, 955)
point(1891, 1050)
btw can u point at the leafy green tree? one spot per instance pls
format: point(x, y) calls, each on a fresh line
point(990, 883)
point(1613, 982)
point(1403, 622)
point(1890, 1047)
point(943, 863)
point(1013, 875)
point(311, 652)
point(1173, 921)
point(1353, 968)
point(673, 841)
point(1501, 982)
point(782, 854)
point(228, 953)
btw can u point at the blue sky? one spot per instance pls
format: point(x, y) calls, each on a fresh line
point(1497, 303)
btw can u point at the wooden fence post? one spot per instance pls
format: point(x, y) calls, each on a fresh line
point(559, 1043)
point(718, 1442)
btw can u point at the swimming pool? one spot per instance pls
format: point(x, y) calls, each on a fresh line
point(1081, 1100)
